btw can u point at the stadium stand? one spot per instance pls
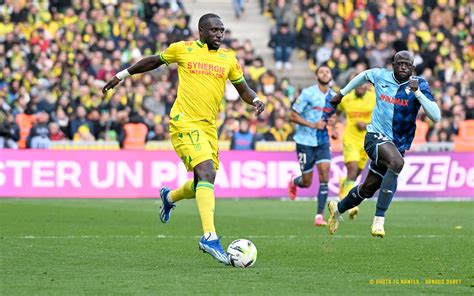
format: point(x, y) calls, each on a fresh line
point(55, 56)
point(420, 133)
point(464, 141)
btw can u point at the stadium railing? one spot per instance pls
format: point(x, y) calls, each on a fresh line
point(167, 146)
point(433, 147)
point(85, 145)
point(275, 146)
point(467, 145)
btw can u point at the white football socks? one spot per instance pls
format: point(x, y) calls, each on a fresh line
point(168, 197)
point(210, 236)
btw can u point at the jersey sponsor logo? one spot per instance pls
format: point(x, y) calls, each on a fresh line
point(359, 114)
point(395, 101)
point(323, 109)
point(206, 69)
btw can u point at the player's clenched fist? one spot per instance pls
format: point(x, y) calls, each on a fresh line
point(413, 84)
point(259, 106)
point(110, 84)
point(320, 125)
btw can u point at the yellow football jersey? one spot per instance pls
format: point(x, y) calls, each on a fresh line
point(357, 110)
point(202, 75)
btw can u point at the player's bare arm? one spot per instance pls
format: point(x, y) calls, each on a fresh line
point(355, 82)
point(297, 118)
point(143, 65)
point(333, 123)
point(249, 96)
point(361, 125)
point(335, 100)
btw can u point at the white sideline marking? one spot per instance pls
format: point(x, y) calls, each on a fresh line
point(160, 236)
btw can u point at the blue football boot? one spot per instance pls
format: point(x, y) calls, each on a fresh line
point(214, 248)
point(166, 206)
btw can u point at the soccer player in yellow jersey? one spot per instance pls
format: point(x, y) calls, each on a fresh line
point(203, 69)
point(358, 106)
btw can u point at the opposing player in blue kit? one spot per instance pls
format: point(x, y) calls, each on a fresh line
point(311, 112)
point(399, 96)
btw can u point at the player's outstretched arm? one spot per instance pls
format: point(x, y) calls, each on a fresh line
point(249, 96)
point(358, 80)
point(143, 65)
point(431, 108)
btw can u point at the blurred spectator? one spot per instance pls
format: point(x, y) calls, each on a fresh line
point(133, 133)
point(283, 42)
point(469, 107)
point(25, 121)
point(55, 133)
point(83, 133)
point(180, 31)
point(56, 55)
point(9, 131)
point(281, 131)
point(81, 120)
point(243, 139)
point(238, 7)
point(158, 133)
point(38, 138)
point(261, 130)
point(107, 127)
point(256, 69)
point(268, 82)
point(351, 36)
point(226, 131)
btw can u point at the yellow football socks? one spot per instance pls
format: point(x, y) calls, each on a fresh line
point(206, 203)
point(345, 187)
point(186, 191)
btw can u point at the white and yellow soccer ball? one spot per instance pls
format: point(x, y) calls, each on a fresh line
point(243, 253)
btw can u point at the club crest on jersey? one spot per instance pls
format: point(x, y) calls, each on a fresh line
point(407, 90)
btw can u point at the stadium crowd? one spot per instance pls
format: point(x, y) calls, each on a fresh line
point(55, 56)
point(351, 36)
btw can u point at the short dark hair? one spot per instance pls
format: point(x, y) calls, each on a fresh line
point(404, 54)
point(323, 65)
point(243, 117)
point(205, 18)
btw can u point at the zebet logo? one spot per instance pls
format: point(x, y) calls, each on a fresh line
point(434, 173)
point(421, 173)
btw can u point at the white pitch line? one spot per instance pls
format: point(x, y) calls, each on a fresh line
point(160, 236)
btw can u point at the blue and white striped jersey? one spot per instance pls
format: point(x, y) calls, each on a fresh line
point(396, 107)
point(313, 105)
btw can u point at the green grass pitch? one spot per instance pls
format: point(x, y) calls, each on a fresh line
point(91, 247)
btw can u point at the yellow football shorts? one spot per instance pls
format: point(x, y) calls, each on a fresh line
point(194, 143)
point(354, 151)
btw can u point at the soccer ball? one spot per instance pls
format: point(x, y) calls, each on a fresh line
point(243, 253)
